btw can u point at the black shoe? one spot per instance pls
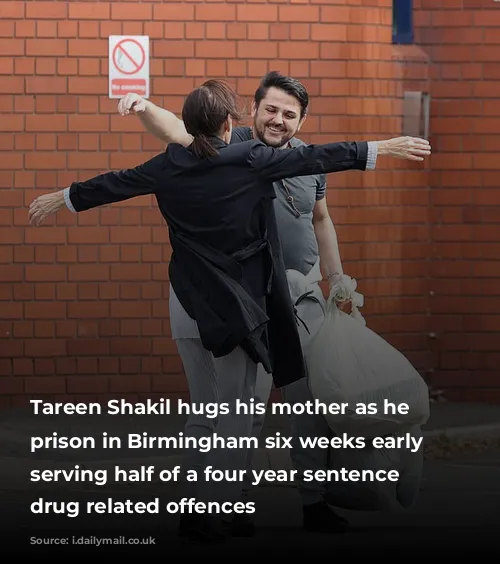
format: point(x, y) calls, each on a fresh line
point(320, 518)
point(201, 528)
point(241, 525)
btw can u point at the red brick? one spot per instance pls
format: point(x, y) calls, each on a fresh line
point(323, 32)
point(46, 85)
point(12, 47)
point(299, 13)
point(44, 385)
point(14, 10)
point(46, 47)
point(223, 12)
point(477, 81)
point(89, 11)
point(98, 278)
point(487, 18)
point(10, 386)
point(134, 11)
point(173, 11)
point(264, 13)
point(87, 384)
point(7, 29)
point(126, 383)
point(49, 10)
point(340, 14)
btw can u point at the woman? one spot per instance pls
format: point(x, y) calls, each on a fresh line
point(226, 269)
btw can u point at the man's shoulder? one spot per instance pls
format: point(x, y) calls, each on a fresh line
point(240, 134)
point(319, 179)
point(296, 142)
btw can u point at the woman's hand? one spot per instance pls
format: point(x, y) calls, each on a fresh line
point(43, 206)
point(409, 148)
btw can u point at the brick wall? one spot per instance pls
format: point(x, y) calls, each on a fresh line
point(84, 300)
point(462, 38)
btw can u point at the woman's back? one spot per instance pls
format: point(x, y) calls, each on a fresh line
point(217, 201)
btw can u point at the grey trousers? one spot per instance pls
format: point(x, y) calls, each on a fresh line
point(217, 380)
point(300, 426)
point(212, 379)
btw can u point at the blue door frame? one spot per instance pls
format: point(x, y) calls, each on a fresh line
point(402, 22)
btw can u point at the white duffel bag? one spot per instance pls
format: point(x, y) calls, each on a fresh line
point(349, 363)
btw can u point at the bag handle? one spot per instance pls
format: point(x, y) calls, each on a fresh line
point(344, 290)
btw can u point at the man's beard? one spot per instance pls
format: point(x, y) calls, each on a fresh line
point(275, 143)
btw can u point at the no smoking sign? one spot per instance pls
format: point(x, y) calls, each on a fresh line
point(128, 65)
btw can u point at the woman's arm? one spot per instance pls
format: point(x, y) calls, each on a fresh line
point(100, 190)
point(161, 123)
point(306, 160)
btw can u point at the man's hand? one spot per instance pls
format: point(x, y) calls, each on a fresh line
point(344, 305)
point(45, 205)
point(409, 148)
point(131, 102)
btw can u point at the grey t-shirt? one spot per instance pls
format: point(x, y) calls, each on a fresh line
point(298, 240)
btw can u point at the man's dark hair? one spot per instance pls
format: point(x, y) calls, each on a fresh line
point(291, 86)
point(205, 110)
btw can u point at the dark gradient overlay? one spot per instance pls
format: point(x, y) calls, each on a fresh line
point(457, 511)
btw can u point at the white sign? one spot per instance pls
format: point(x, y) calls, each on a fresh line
point(128, 65)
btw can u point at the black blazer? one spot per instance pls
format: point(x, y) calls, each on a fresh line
point(226, 265)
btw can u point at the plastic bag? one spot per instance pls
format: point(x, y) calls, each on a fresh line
point(349, 363)
point(378, 496)
point(308, 302)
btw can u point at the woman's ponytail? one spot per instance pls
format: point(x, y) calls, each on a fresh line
point(202, 147)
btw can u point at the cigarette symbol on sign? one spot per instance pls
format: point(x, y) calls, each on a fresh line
point(129, 56)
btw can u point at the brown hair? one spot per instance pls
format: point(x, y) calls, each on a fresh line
point(287, 84)
point(205, 110)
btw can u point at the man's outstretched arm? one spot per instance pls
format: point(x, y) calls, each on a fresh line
point(161, 123)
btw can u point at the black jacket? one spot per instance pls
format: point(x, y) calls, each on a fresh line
point(226, 266)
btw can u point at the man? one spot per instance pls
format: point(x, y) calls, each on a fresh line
point(309, 244)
